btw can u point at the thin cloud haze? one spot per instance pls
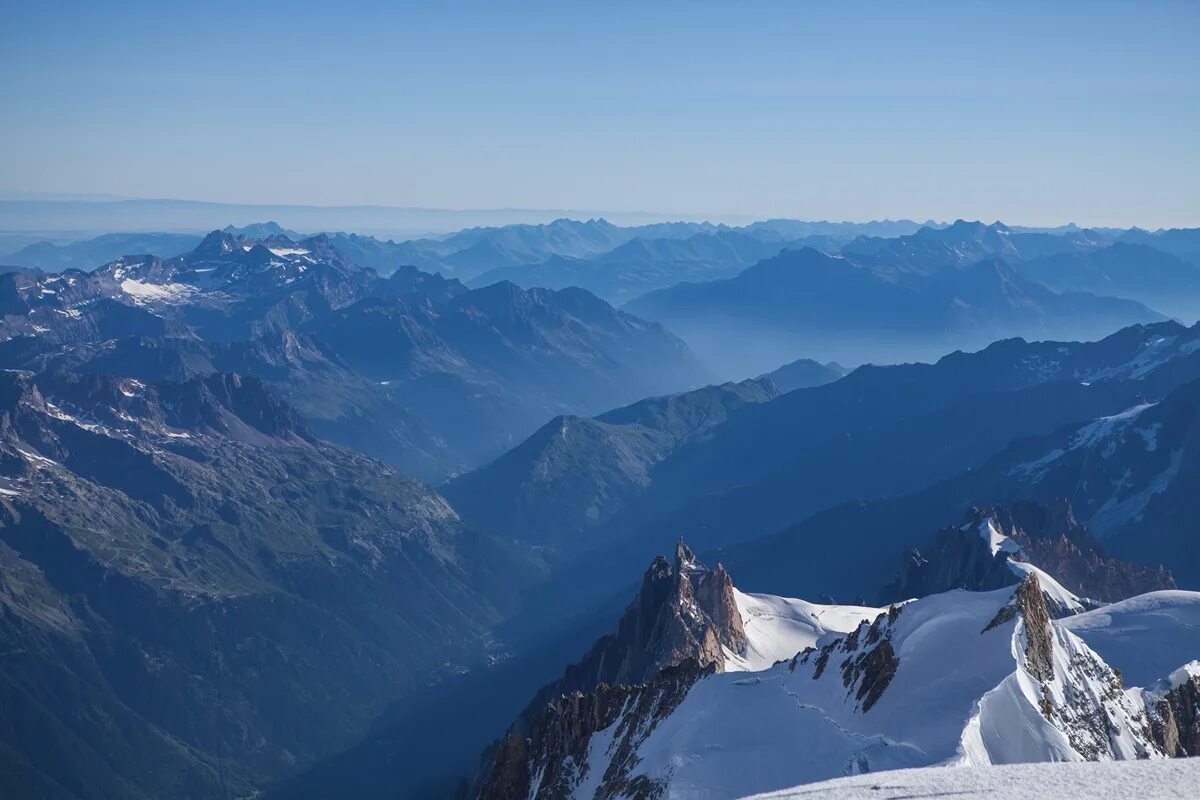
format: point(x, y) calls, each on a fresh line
point(1032, 113)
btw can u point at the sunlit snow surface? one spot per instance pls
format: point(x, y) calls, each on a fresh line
point(142, 292)
point(960, 696)
point(780, 627)
point(1143, 636)
point(1105, 780)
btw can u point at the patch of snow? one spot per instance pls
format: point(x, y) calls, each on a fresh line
point(37, 460)
point(1184, 674)
point(58, 413)
point(1118, 510)
point(1039, 466)
point(598, 755)
point(1150, 436)
point(1153, 354)
point(997, 541)
point(132, 387)
point(1103, 430)
point(143, 292)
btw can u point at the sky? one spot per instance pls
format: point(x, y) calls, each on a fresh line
point(1033, 113)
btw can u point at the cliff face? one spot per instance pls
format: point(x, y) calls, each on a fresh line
point(1175, 713)
point(976, 555)
point(683, 611)
point(551, 762)
point(679, 627)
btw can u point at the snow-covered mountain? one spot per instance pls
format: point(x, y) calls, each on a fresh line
point(816, 692)
point(993, 546)
point(413, 368)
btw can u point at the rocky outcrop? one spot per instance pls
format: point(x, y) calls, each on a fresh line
point(682, 623)
point(1030, 605)
point(683, 611)
point(552, 759)
point(1053, 539)
point(914, 686)
point(1175, 713)
point(870, 662)
point(976, 555)
point(1074, 689)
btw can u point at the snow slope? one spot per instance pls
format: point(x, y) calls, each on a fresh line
point(976, 678)
point(779, 627)
point(1112, 780)
point(1146, 637)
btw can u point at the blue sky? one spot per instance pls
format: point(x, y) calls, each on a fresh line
point(1028, 112)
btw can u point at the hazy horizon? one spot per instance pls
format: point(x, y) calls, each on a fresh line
point(1035, 114)
point(42, 213)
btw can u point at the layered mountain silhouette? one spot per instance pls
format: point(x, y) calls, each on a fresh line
point(220, 575)
point(763, 467)
point(643, 265)
point(906, 297)
point(413, 368)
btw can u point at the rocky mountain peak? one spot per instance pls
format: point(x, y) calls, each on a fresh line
point(977, 555)
point(683, 611)
point(18, 388)
point(1030, 604)
point(232, 404)
point(1174, 710)
point(678, 628)
point(216, 245)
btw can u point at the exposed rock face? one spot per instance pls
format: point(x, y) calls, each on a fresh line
point(1078, 693)
point(685, 617)
point(975, 555)
point(684, 610)
point(549, 763)
point(1039, 639)
point(1175, 713)
point(870, 662)
point(1021, 688)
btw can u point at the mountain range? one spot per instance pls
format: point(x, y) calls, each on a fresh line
point(751, 693)
point(641, 265)
point(730, 473)
point(413, 368)
point(750, 297)
point(221, 575)
point(907, 297)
